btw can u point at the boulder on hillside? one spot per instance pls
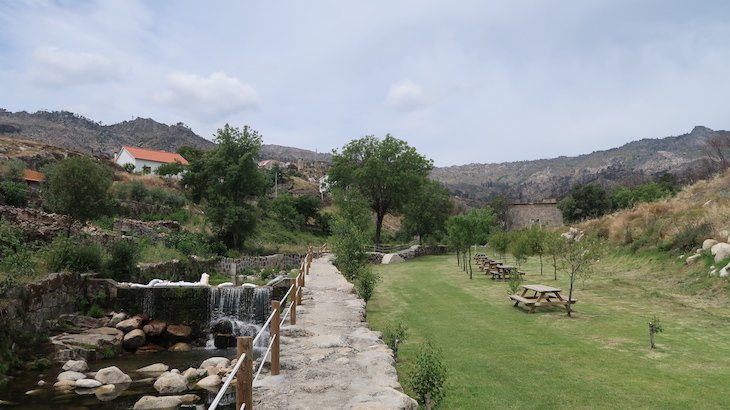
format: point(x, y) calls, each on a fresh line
point(112, 375)
point(155, 328)
point(134, 339)
point(708, 243)
point(721, 251)
point(169, 383)
point(178, 333)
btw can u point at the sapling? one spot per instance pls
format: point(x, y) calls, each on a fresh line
point(654, 327)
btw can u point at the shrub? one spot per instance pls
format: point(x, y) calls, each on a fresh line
point(428, 376)
point(69, 254)
point(129, 167)
point(691, 236)
point(123, 262)
point(393, 335)
point(138, 191)
point(366, 282)
point(14, 193)
point(96, 311)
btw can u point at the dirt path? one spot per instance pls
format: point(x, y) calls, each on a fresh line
point(331, 359)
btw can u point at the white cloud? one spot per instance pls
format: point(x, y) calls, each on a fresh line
point(56, 68)
point(207, 98)
point(405, 96)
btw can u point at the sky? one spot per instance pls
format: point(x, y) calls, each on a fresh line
point(461, 81)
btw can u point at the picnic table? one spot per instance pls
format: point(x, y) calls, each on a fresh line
point(503, 271)
point(541, 296)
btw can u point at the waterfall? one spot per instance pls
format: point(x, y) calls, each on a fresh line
point(148, 303)
point(238, 311)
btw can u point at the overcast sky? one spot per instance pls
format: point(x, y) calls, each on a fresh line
point(462, 81)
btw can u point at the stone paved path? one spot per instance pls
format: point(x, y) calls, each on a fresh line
point(331, 359)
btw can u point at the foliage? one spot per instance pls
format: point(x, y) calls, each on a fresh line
point(585, 202)
point(366, 282)
point(624, 197)
point(308, 206)
point(427, 211)
point(170, 169)
point(520, 245)
point(553, 244)
point(469, 229)
point(122, 265)
point(227, 178)
point(14, 193)
point(387, 172)
point(500, 206)
point(73, 254)
point(514, 283)
point(129, 167)
point(285, 210)
point(393, 335)
point(691, 234)
point(499, 241)
point(78, 187)
point(96, 311)
point(190, 153)
point(350, 233)
point(429, 375)
point(577, 259)
point(654, 327)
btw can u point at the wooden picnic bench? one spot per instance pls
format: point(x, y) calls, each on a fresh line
point(542, 296)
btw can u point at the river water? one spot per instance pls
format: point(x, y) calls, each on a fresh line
point(49, 398)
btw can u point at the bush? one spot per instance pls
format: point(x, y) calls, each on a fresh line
point(69, 254)
point(691, 236)
point(122, 265)
point(366, 282)
point(129, 167)
point(428, 376)
point(393, 335)
point(96, 311)
point(14, 193)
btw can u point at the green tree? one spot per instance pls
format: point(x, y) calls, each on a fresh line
point(427, 212)
point(520, 246)
point(13, 189)
point(469, 229)
point(585, 202)
point(78, 187)
point(190, 153)
point(227, 180)
point(500, 205)
point(387, 172)
point(170, 169)
point(499, 241)
point(535, 238)
point(350, 230)
point(285, 210)
point(578, 258)
point(553, 244)
point(429, 376)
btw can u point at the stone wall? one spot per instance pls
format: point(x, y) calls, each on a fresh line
point(233, 266)
point(376, 258)
point(525, 215)
point(188, 270)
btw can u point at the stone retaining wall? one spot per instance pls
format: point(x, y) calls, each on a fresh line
point(280, 261)
point(175, 270)
point(376, 258)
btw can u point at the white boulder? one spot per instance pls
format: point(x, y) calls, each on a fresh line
point(112, 375)
point(76, 366)
point(165, 402)
point(390, 258)
point(720, 251)
point(87, 383)
point(169, 383)
point(708, 243)
point(219, 362)
point(154, 368)
point(70, 375)
point(210, 381)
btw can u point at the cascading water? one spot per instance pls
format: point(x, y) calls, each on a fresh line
point(238, 311)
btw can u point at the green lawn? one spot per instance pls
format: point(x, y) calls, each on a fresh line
point(500, 357)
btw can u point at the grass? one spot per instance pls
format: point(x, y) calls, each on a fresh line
point(500, 357)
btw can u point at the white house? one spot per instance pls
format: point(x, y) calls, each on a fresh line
point(146, 160)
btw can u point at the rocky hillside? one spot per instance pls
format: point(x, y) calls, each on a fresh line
point(77, 133)
point(548, 178)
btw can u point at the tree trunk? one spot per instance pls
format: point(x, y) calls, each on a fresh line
point(540, 264)
point(651, 339)
point(555, 266)
point(471, 271)
point(378, 226)
point(427, 403)
point(458, 258)
point(569, 306)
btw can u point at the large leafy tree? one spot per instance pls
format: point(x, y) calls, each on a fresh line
point(585, 202)
point(428, 210)
point(227, 179)
point(470, 229)
point(387, 172)
point(78, 187)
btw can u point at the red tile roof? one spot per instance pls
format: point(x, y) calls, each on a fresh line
point(33, 176)
point(157, 156)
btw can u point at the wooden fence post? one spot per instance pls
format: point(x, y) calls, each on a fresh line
point(301, 278)
point(275, 305)
point(293, 313)
point(298, 295)
point(244, 376)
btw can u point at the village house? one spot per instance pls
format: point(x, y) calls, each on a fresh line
point(33, 178)
point(146, 161)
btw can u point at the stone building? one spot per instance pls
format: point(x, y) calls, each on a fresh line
point(523, 215)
